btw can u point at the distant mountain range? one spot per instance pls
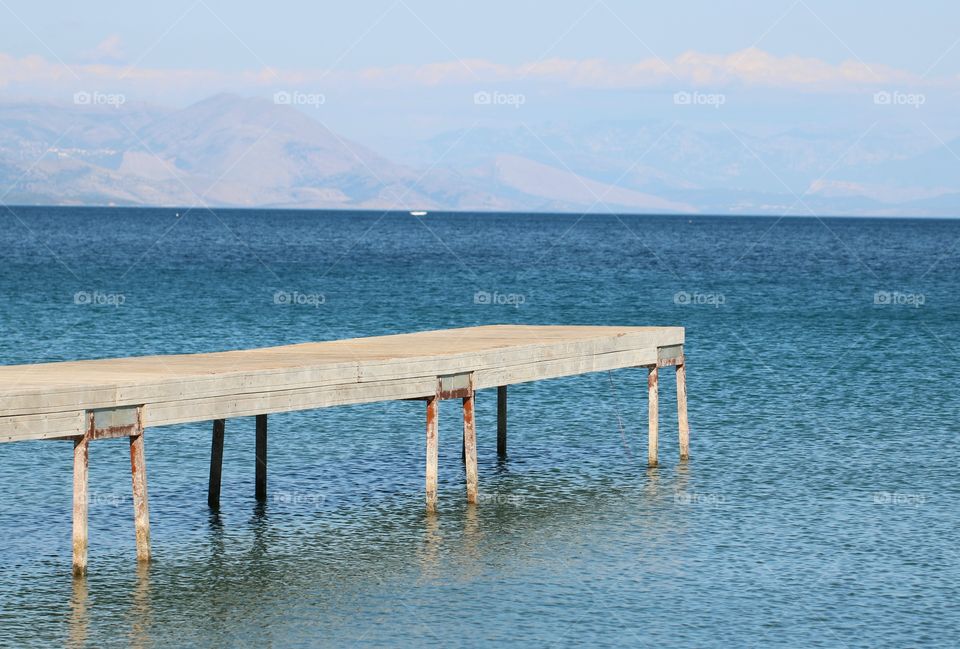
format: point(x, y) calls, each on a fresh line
point(241, 152)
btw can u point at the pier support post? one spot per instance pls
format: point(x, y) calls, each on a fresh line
point(216, 463)
point(683, 426)
point(81, 463)
point(261, 474)
point(433, 449)
point(470, 446)
point(141, 509)
point(502, 421)
point(653, 416)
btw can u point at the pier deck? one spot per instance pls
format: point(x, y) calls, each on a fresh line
point(96, 399)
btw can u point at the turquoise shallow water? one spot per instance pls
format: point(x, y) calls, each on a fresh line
point(820, 507)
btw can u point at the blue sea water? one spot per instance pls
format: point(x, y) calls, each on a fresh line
point(820, 507)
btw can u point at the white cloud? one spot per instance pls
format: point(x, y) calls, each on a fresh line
point(109, 49)
point(35, 75)
point(752, 66)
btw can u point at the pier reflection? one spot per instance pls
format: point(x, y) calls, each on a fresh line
point(79, 617)
point(431, 547)
point(470, 555)
point(141, 612)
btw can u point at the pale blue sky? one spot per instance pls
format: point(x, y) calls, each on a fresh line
point(910, 35)
point(392, 71)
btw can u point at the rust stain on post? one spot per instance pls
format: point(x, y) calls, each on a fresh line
point(141, 509)
point(110, 423)
point(433, 404)
point(684, 427)
point(653, 411)
point(669, 355)
point(455, 386)
point(81, 462)
point(470, 447)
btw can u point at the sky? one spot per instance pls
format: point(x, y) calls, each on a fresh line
point(191, 34)
point(391, 71)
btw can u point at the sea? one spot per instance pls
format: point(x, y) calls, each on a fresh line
point(820, 506)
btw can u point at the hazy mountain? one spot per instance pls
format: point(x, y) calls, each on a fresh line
point(233, 151)
point(223, 151)
point(722, 169)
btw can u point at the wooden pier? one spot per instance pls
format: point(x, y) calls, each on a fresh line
point(98, 399)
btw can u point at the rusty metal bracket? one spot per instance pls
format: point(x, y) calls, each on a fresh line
point(108, 423)
point(455, 386)
point(670, 355)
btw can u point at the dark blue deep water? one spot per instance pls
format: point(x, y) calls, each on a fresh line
point(821, 505)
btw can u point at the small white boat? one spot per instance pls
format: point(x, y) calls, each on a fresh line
point(418, 213)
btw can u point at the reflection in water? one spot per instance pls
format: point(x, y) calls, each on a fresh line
point(140, 609)
point(430, 549)
point(217, 546)
point(651, 488)
point(471, 550)
point(260, 525)
point(340, 562)
point(79, 618)
point(684, 472)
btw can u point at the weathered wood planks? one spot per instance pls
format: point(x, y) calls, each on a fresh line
point(48, 399)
